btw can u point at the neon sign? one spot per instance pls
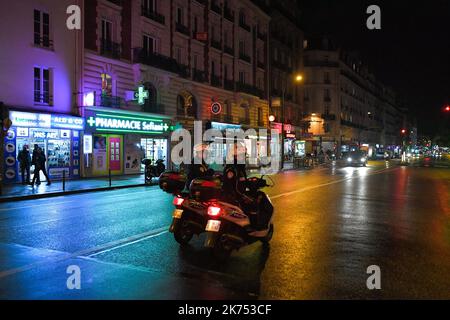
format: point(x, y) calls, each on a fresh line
point(141, 95)
point(43, 120)
point(109, 122)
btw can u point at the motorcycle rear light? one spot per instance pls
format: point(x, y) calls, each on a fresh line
point(208, 184)
point(178, 201)
point(213, 211)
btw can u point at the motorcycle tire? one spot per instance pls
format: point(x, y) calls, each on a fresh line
point(221, 251)
point(182, 233)
point(269, 235)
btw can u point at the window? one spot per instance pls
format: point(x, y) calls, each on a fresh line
point(327, 94)
point(260, 115)
point(275, 54)
point(179, 54)
point(242, 47)
point(149, 44)
point(225, 72)
point(180, 16)
point(195, 61)
point(42, 29)
point(241, 76)
point(106, 31)
point(225, 37)
point(107, 85)
point(195, 25)
point(242, 17)
point(42, 85)
point(327, 77)
point(213, 68)
point(149, 5)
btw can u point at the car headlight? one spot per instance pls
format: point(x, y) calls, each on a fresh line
point(363, 159)
point(349, 159)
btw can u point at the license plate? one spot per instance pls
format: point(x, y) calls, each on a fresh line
point(213, 226)
point(177, 213)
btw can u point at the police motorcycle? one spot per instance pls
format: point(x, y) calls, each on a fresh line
point(235, 222)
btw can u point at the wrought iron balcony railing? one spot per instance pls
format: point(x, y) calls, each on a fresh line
point(199, 76)
point(43, 98)
point(110, 49)
point(182, 29)
point(149, 13)
point(155, 60)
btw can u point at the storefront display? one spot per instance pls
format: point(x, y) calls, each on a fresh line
point(57, 135)
point(121, 139)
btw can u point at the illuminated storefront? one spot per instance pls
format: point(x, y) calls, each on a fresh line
point(57, 135)
point(118, 140)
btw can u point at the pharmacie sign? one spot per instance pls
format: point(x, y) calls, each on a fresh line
point(125, 123)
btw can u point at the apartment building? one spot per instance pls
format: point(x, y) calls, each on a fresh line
point(186, 59)
point(345, 105)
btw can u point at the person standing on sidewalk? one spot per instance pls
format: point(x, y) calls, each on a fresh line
point(25, 164)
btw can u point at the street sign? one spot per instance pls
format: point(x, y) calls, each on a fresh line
point(216, 108)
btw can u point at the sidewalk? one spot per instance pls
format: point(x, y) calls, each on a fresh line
point(17, 192)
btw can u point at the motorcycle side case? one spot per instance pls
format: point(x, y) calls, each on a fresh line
point(172, 182)
point(206, 188)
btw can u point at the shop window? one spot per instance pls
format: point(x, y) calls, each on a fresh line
point(42, 88)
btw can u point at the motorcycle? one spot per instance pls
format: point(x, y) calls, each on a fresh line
point(189, 215)
point(153, 171)
point(231, 227)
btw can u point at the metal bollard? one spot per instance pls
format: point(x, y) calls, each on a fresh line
point(110, 183)
point(64, 180)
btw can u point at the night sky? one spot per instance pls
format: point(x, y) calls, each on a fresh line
point(411, 53)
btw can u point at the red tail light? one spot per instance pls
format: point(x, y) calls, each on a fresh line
point(213, 211)
point(178, 201)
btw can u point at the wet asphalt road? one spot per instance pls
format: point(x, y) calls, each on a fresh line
point(331, 223)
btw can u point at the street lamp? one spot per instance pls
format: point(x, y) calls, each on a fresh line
point(297, 79)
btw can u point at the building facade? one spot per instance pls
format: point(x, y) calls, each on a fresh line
point(196, 60)
point(344, 104)
point(40, 64)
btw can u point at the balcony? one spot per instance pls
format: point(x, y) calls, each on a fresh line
point(216, 44)
point(228, 85)
point(182, 29)
point(245, 26)
point(228, 14)
point(43, 42)
point(102, 100)
point(149, 13)
point(228, 50)
point(155, 60)
point(199, 76)
point(246, 88)
point(245, 57)
point(317, 63)
point(110, 49)
point(216, 8)
point(261, 65)
point(154, 108)
point(216, 81)
point(328, 117)
point(116, 2)
point(183, 71)
point(43, 98)
point(203, 2)
point(262, 36)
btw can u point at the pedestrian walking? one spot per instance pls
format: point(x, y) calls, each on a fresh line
point(39, 165)
point(24, 159)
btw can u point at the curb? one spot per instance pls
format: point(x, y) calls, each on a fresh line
point(70, 192)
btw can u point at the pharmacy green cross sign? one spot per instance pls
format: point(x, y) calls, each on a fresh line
point(141, 95)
